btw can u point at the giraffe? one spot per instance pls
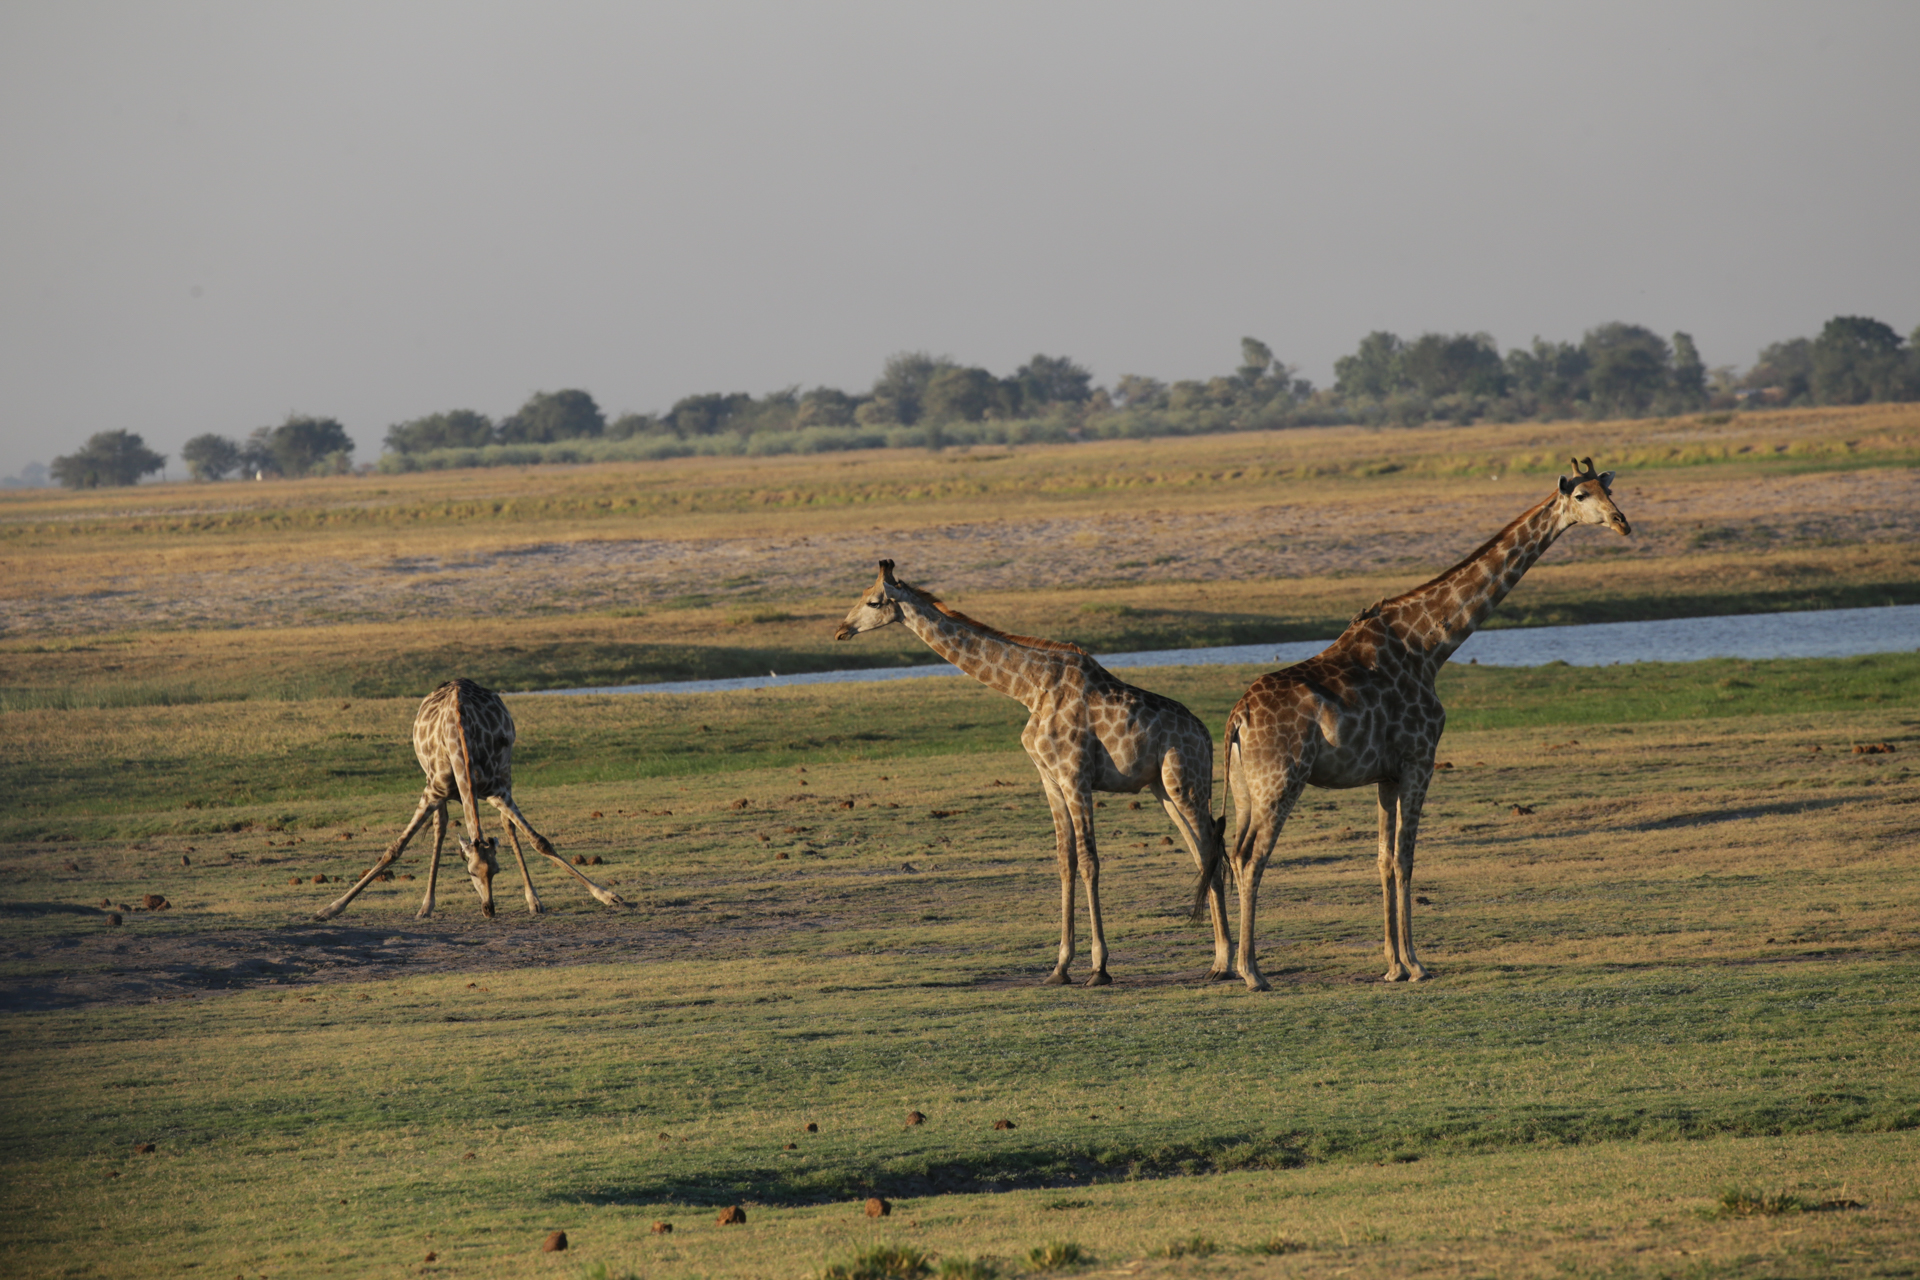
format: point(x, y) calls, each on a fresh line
point(463, 738)
point(1364, 710)
point(1088, 731)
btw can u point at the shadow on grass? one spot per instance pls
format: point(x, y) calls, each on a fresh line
point(1075, 1165)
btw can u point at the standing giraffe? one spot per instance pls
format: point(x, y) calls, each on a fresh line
point(463, 738)
point(1364, 710)
point(1088, 731)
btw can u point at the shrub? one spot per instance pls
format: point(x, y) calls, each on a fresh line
point(1058, 1255)
point(881, 1262)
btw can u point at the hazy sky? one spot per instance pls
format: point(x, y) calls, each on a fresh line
point(213, 214)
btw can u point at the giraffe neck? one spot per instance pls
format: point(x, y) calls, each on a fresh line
point(1019, 671)
point(1435, 619)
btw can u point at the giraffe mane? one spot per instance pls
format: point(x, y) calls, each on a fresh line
point(1471, 556)
point(1029, 642)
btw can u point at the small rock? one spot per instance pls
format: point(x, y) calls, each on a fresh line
point(432, 1256)
point(113, 1173)
point(106, 902)
point(914, 1117)
point(733, 1216)
point(594, 861)
point(113, 918)
point(848, 804)
point(662, 1228)
point(319, 879)
point(1425, 902)
point(407, 876)
point(74, 866)
point(155, 902)
point(124, 907)
point(1134, 804)
point(556, 1243)
point(469, 1156)
point(1444, 764)
point(909, 869)
point(296, 880)
point(144, 1148)
point(878, 1208)
point(791, 1146)
point(579, 859)
point(598, 814)
point(1003, 1124)
point(781, 856)
point(1522, 810)
point(185, 861)
point(1166, 839)
point(740, 804)
point(814, 1128)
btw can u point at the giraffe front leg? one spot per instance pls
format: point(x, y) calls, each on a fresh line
point(387, 859)
point(1413, 796)
point(433, 863)
point(513, 838)
point(1063, 848)
point(511, 815)
point(1388, 793)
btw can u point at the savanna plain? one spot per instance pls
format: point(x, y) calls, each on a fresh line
point(1671, 908)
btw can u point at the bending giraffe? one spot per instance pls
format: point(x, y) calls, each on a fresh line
point(1364, 710)
point(463, 738)
point(1087, 731)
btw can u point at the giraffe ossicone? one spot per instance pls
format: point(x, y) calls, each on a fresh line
point(463, 739)
point(1364, 710)
point(1087, 730)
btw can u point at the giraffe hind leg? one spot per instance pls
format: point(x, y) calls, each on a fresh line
point(511, 815)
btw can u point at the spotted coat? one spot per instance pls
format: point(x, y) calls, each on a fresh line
point(1087, 730)
point(1364, 710)
point(463, 739)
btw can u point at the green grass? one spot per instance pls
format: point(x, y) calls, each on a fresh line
point(208, 768)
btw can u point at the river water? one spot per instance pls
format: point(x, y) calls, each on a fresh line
point(1826, 633)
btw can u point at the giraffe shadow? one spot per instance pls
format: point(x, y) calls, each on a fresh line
point(1740, 813)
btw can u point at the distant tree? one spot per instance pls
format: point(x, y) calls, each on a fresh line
point(629, 425)
point(1630, 366)
point(1689, 371)
point(956, 394)
point(304, 445)
point(1550, 373)
point(1135, 391)
point(708, 414)
point(1856, 359)
point(553, 415)
point(825, 407)
point(210, 456)
point(1048, 380)
point(454, 429)
point(1783, 366)
point(1373, 369)
point(900, 388)
point(1437, 364)
point(107, 458)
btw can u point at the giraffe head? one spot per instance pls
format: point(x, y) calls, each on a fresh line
point(878, 606)
point(1587, 498)
point(481, 866)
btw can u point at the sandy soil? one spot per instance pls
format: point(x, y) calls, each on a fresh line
point(1421, 530)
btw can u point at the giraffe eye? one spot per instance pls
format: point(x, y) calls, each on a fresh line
point(1583, 495)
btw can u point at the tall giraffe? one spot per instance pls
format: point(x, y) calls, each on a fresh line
point(463, 738)
point(1364, 710)
point(1087, 731)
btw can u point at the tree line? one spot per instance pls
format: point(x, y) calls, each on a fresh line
point(921, 400)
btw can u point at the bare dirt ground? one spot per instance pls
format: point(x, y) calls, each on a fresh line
point(1419, 529)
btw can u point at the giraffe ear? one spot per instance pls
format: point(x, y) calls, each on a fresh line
point(886, 570)
point(1606, 481)
point(1566, 485)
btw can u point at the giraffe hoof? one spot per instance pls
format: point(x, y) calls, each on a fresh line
point(1099, 979)
point(1395, 974)
point(1221, 975)
point(1258, 982)
point(1058, 978)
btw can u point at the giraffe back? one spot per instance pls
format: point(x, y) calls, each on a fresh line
point(461, 724)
